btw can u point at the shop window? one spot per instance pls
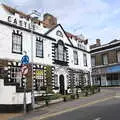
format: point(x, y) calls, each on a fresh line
point(112, 76)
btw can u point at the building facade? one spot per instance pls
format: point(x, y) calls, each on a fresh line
point(106, 63)
point(58, 60)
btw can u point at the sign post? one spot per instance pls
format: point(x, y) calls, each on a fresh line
point(24, 71)
point(25, 97)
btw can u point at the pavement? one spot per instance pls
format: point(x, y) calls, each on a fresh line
point(64, 107)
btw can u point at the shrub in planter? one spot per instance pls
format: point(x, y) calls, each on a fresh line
point(85, 92)
point(77, 95)
point(64, 98)
point(55, 96)
point(72, 96)
point(98, 89)
point(47, 99)
point(92, 89)
point(47, 102)
point(43, 88)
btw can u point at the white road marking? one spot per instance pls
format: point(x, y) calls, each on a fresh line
point(99, 118)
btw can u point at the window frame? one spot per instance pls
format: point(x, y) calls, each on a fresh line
point(21, 38)
point(93, 57)
point(75, 55)
point(85, 59)
point(118, 56)
point(103, 59)
point(57, 52)
point(40, 41)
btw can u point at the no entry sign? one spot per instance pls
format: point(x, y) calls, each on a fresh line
point(25, 70)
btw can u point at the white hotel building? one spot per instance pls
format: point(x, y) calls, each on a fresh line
point(59, 57)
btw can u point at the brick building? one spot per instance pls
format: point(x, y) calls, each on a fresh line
point(105, 61)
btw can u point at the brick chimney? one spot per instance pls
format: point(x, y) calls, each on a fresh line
point(49, 20)
point(98, 42)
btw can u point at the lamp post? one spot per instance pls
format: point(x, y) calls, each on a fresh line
point(32, 93)
point(32, 55)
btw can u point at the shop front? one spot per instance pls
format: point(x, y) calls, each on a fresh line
point(107, 76)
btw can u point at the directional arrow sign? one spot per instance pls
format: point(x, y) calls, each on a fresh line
point(25, 60)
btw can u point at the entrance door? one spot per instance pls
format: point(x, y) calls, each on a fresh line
point(61, 80)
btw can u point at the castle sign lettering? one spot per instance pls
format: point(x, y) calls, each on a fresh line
point(20, 23)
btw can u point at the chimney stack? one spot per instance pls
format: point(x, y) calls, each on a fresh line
point(98, 42)
point(49, 20)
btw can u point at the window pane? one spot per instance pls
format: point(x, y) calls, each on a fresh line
point(61, 53)
point(56, 80)
point(93, 61)
point(105, 59)
point(75, 57)
point(118, 56)
point(39, 48)
point(17, 46)
point(85, 59)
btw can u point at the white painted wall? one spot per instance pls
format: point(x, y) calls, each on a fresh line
point(6, 46)
point(80, 60)
point(8, 95)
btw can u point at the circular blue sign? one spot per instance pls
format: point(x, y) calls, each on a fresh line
point(25, 59)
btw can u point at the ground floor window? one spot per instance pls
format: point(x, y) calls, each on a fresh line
point(14, 75)
point(39, 78)
point(112, 76)
point(96, 80)
point(113, 79)
point(76, 79)
point(56, 81)
point(43, 77)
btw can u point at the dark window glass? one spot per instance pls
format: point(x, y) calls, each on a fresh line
point(85, 59)
point(16, 42)
point(75, 53)
point(39, 47)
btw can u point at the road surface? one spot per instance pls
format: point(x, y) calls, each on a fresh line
point(107, 110)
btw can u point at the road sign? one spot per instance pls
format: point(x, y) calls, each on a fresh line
point(25, 60)
point(25, 70)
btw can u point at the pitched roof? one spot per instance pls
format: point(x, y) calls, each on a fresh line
point(61, 28)
point(13, 11)
point(27, 16)
point(70, 35)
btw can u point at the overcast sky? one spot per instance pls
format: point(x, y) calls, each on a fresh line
point(93, 18)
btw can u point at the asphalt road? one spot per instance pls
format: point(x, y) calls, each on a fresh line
point(107, 110)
